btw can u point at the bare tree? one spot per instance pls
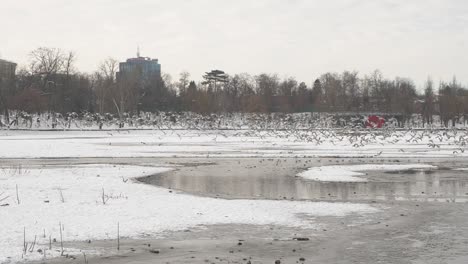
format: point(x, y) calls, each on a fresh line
point(184, 81)
point(46, 62)
point(267, 87)
point(317, 94)
point(106, 90)
point(108, 68)
point(301, 98)
point(451, 102)
point(428, 105)
point(405, 96)
point(69, 63)
point(287, 87)
point(53, 69)
point(351, 87)
point(334, 94)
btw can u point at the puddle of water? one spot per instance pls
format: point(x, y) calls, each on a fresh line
point(411, 171)
point(239, 180)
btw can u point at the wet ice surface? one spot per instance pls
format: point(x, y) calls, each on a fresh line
point(275, 179)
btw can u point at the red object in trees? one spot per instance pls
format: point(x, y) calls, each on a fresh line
point(375, 122)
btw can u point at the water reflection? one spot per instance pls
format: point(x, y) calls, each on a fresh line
point(436, 186)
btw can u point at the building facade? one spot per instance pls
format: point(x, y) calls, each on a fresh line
point(143, 68)
point(7, 70)
point(7, 80)
point(140, 84)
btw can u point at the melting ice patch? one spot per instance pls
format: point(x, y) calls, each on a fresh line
point(354, 173)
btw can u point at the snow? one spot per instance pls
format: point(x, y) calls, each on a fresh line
point(353, 173)
point(73, 196)
point(143, 210)
point(196, 143)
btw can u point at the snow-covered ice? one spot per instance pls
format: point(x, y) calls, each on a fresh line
point(74, 197)
point(196, 143)
point(353, 173)
point(147, 210)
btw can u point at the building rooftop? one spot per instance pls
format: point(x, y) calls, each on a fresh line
point(5, 61)
point(140, 59)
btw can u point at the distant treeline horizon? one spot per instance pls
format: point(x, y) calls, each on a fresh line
point(51, 82)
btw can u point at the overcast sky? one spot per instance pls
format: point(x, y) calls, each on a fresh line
point(301, 38)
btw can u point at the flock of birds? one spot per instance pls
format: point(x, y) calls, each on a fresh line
point(455, 140)
point(319, 129)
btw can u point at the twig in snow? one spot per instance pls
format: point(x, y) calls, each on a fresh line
point(31, 248)
point(4, 198)
point(104, 197)
point(118, 236)
point(61, 196)
point(61, 238)
point(17, 195)
point(24, 241)
point(85, 259)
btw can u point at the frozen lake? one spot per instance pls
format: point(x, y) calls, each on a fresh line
point(194, 195)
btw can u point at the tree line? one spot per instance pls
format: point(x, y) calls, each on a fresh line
point(51, 82)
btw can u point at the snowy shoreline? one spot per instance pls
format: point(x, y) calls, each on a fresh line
point(89, 201)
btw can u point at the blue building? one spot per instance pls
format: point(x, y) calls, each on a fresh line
point(146, 68)
point(7, 70)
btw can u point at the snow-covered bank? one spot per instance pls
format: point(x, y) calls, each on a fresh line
point(90, 200)
point(354, 173)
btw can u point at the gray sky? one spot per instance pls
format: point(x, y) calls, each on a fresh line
point(301, 38)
